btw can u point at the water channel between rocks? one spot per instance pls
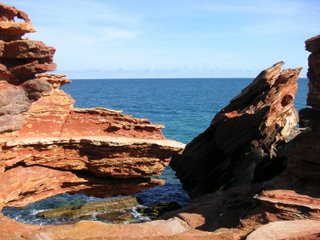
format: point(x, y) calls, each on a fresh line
point(152, 99)
point(137, 208)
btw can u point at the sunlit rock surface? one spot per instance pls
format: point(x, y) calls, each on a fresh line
point(49, 147)
point(285, 207)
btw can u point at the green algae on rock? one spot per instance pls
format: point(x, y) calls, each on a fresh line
point(86, 209)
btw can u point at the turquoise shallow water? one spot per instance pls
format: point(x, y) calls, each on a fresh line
point(184, 106)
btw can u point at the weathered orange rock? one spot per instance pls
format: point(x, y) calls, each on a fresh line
point(290, 202)
point(240, 146)
point(304, 160)
point(289, 197)
point(21, 59)
point(9, 13)
point(39, 152)
point(288, 230)
point(2, 44)
point(9, 29)
point(173, 229)
point(313, 44)
point(56, 80)
point(116, 157)
point(99, 141)
point(23, 185)
point(46, 116)
point(27, 49)
point(49, 147)
point(29, 70)
point(105, 122)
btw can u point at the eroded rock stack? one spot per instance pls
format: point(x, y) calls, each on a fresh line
point(48, 146)
point(313, 46)
point(21, 59)
point(241, 144)
point(285, 207)
point(305, 161)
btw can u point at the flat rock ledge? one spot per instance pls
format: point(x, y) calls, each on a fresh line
point(88, 165)
point(50, 147)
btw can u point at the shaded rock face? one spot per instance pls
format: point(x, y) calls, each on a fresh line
point(16, 100)
point(313, 46)
point(286, 207)
point(49, 147)
point(240, 146)
point(305, 162)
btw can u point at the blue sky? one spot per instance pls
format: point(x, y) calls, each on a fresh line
point(173, 38)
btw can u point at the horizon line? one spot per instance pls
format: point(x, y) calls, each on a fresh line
point(168, 78)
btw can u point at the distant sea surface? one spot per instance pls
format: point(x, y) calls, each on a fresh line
point(185, 106)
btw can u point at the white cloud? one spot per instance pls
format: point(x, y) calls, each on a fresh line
point(112, 33)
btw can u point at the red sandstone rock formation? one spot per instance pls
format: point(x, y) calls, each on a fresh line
point(23, 185)
point(240, 146)
point(304, 161)
point(21, 58)
point(48, 146)
point(286, 207)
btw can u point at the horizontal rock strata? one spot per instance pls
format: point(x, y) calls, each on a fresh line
point(116, 157)
point(21, 59)
point(241, 144)
point(23, 185)
point(286, 207)
point(49, 147)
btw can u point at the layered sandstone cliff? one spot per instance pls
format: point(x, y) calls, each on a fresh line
point(48, 146)
point(285, 207)
point(241, 144)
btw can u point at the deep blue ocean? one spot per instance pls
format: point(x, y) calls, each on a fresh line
point(185, 106)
